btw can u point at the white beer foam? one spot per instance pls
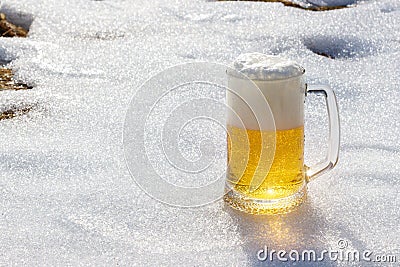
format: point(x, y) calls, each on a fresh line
point(280, 82)
point(258, 66)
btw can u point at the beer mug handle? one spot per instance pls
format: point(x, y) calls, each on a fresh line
point(334, 132)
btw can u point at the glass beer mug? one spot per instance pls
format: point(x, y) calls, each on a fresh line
point(265, 124)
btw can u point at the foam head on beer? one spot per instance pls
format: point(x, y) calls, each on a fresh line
point(279, 80)
point(257, 66)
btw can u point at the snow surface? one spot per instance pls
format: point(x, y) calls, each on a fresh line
point(67, 197)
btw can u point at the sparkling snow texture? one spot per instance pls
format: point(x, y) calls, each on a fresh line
point(66, 194)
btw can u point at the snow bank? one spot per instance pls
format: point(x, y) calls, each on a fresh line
point(66, 194)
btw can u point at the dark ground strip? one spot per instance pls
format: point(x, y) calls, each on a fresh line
point(288, 3)
point(14, 111)
point(8, 83)
point(7, 29)
point(324, 54)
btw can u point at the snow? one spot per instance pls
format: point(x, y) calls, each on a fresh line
point(67, 197)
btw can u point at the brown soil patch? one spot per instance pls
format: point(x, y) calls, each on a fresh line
point(8, 83)
point(14, 111)
point(7, 29)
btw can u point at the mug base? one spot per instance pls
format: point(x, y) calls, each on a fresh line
point(264, 206)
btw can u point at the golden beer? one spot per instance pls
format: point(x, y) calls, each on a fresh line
point(285, 176)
